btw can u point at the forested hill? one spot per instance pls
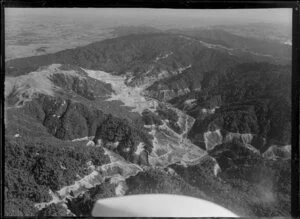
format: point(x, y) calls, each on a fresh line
point(250, 98)
point(149, 113)
point(138, 53)
point(230, 40)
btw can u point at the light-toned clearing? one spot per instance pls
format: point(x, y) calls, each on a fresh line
point(118, 170)
point(86, 138)
point(130, 96)
point(212, 139)
point(90, 144)
point(208, 45)
point(278, 152)
point(55, 200)
point(140, 148)
point(246, 138)
point(171, 171)
point(62, 167)
point(209, 111)
point(217, 169)
point(121, 188)
point(163, 56)
point(189, 101)
point(182, 69)
point(227, 49)
point(177, 147)
point(25, 87)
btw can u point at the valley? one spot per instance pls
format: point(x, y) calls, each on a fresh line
point(203, 113)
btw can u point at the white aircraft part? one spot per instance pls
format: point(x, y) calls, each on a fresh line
point(158, 205)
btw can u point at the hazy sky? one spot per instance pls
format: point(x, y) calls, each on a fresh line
point(164, 18)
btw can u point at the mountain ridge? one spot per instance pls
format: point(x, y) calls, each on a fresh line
point(104, 102)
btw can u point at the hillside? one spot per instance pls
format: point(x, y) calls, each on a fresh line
point(132, 53)
point(148, 113)
point(250, 98)
point(241, 42)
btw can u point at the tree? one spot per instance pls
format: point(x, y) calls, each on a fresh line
point(53, 210)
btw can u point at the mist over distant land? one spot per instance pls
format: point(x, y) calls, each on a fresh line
point(160, 18)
